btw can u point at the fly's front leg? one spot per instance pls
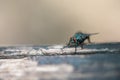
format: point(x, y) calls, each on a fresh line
point(69, 41)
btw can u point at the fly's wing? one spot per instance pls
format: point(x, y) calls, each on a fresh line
point(93, 34)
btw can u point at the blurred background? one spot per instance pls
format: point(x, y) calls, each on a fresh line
point(54, 21)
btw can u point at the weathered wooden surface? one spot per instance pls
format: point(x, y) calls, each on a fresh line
point(102, 65)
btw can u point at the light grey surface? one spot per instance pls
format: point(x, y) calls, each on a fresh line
point(98, 66)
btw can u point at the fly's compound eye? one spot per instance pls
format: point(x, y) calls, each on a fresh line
point(74, 39)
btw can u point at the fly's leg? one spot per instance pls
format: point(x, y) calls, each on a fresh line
point(75, 49)
point(69, 44)
point(89, 41)
point(81, 45)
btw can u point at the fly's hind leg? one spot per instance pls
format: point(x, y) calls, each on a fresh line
point(89, 41)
